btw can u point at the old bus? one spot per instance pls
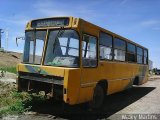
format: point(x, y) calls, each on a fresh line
point(76, 61)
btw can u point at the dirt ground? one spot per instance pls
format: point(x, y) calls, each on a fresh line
point(9, 59)
point(142, 99)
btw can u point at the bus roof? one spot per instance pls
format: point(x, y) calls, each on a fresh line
point(114, 34)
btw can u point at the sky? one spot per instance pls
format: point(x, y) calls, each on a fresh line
point(137, 20)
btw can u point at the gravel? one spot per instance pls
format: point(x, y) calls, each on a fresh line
point(9, 78)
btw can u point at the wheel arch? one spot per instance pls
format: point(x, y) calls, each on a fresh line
point(104, 84)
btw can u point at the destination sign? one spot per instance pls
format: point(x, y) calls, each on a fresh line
point(51, 22)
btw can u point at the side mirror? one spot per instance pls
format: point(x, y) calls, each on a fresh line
point(19, 38)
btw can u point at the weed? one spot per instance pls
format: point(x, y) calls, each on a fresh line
point(11, 69)
point(13, 102)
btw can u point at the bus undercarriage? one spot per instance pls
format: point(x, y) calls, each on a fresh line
point(34, 83)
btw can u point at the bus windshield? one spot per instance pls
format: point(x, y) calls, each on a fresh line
point(62, 48)
point(33, 49)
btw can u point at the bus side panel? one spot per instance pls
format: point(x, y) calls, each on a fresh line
point(89, 79)
point(120, 75)
point(107, 72)
point(143, 74)
point(80, 84)
point(72, 86)
point(86, 93)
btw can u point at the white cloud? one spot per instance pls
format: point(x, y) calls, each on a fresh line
point(123, 2)
point(150, 22)
point(55, 8)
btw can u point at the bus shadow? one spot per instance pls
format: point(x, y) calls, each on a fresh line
point(113, 103)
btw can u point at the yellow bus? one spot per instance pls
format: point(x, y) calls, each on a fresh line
point(76, 61)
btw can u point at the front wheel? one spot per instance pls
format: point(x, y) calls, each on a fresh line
point(98, 98)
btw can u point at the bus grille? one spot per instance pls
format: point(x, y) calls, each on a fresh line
point(42, 78)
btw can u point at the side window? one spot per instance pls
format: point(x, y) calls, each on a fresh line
point(105, 46)
point(119, 49)
point(139, 55)
point(145, 57)
point(89, 51)
point(131, 52)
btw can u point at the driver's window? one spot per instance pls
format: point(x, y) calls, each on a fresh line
point(89, 51)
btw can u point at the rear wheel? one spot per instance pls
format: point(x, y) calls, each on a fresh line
point(98, 98)
point(136, 81)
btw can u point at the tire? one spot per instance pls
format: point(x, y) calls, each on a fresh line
point(98, 98)
point(136, 81)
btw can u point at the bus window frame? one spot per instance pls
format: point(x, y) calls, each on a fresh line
point(112, 48)
point(43, 52)
point(119, 49)
point(144, 49)
point(97, 47)
point(135, 54)
point(140, 55)
point(51, 29)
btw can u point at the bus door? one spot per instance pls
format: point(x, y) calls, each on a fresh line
point(89, 61)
